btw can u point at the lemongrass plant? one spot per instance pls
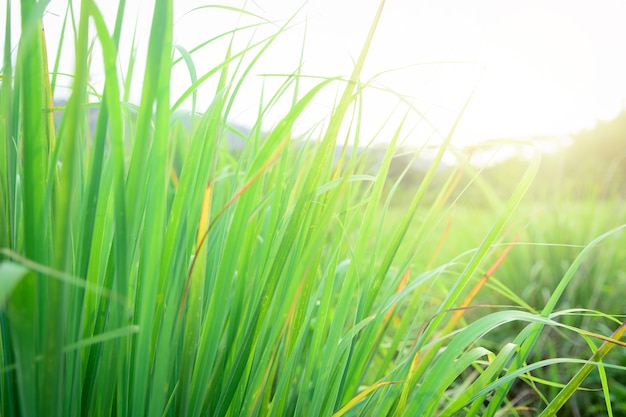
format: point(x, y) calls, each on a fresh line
point(146, 271)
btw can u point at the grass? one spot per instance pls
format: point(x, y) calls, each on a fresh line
point(148, 270)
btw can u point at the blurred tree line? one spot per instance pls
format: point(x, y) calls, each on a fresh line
point(601, 153)
point(592, 167)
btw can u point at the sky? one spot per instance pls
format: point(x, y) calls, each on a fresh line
point(537, 68)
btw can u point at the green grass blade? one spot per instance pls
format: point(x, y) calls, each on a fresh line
point(574, 384)
point(529, 343)
point(22, 317)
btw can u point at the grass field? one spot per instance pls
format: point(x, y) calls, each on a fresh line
point(147, 269)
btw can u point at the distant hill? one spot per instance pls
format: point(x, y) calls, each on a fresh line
point(235, 135)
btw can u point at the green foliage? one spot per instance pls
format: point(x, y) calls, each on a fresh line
point(148, 269)
point(593, 166)
point(600, 150)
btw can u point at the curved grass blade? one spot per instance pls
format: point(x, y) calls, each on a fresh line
point(594, 362)
point(529, 342)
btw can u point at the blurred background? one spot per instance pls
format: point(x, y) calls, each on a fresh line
point(551, 73)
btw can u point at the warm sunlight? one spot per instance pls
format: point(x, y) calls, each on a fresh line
point(327, 208)
point(550, 68)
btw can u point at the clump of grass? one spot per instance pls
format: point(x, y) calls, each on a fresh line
point(147, 271)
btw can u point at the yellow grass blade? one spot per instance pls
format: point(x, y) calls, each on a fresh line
point(360, 396)
point(458, 314)
point(204, 217)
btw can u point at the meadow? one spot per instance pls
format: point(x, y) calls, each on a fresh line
point(146, 268)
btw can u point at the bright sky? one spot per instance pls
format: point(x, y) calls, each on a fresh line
point(550, 67)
